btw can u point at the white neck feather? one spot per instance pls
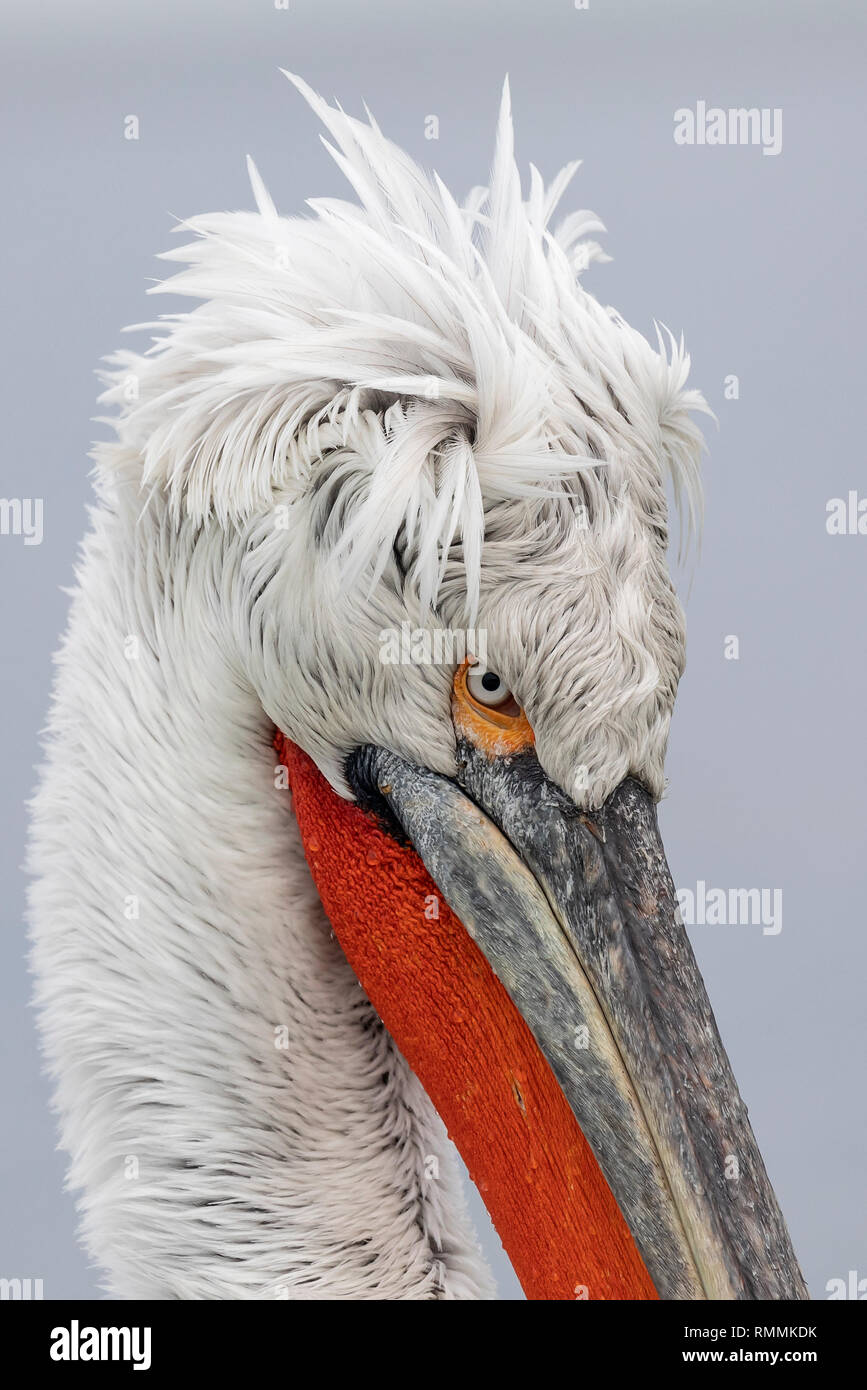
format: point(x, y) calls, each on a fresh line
point(239, 1122)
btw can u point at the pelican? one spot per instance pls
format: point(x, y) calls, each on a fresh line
point(307, 918)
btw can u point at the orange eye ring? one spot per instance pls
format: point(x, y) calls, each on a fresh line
point(497, 732)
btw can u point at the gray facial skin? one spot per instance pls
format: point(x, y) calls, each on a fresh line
point(576, 915)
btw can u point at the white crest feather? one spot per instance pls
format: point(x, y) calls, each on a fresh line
point(464, 332)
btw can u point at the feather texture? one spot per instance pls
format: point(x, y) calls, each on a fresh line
point(464, 331)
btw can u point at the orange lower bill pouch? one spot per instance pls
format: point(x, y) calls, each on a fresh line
point(471, 1050)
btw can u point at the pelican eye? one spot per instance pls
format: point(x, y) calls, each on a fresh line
point(488, 689)
point(486, 713)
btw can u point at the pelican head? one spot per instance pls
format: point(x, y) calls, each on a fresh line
point(394, 491)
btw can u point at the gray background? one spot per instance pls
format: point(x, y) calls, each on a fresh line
point(760, 260)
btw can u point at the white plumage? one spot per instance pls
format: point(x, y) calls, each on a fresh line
point(396, 410)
